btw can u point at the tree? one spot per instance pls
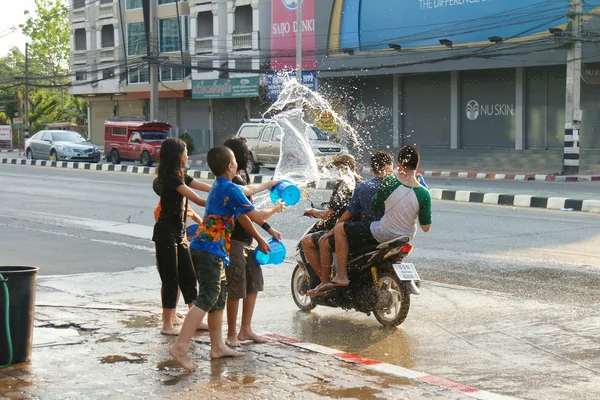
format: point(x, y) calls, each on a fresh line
point(11, 67)
point(48, 30)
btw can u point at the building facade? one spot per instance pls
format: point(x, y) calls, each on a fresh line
point(195, 37)
point(459, 78)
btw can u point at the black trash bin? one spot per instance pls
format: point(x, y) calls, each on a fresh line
point(21, 293)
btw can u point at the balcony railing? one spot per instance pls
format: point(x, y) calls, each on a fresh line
point(78, 15)
point(204, 45)
point(107, 54)
point(79, 57)
point(106, 11)
point(242, 41)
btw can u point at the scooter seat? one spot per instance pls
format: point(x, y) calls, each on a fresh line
point(399, 241)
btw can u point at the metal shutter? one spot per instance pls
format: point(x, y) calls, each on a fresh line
point(426, 110)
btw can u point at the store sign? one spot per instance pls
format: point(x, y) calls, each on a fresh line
point(275, 82)
point(283, 34)
point(591, 73)
point(5, 132)
point(362, 111)
point(474, 110)
point(225, 88)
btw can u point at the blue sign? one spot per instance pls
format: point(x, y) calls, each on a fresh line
point(417, 23)
point(275, 82)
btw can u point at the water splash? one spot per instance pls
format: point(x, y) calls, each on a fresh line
point(294, 112)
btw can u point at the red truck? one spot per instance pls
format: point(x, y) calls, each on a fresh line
point(134, 140)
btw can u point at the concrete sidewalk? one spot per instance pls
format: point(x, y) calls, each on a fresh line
point(97, 336)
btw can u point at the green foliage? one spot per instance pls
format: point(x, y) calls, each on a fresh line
point(189, 142)
point(48, 30)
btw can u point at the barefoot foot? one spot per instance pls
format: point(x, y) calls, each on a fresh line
point(225, 352)
point(232, 341)
point(183, 358)
point(169, 331)
point(250, 335)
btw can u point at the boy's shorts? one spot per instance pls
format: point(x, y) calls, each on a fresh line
point(359, 234)
point(244, 274)
point(315, 237)
point(212, 285)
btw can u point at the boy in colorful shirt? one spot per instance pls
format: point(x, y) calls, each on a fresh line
point(210, 253)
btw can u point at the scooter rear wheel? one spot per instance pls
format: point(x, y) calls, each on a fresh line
point(396, 313)
point(300, 285)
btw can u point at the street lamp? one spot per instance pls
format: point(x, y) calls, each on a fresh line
point(395, 46)
point(348, 50)
point(495, 39)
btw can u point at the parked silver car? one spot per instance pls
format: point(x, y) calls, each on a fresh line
point(61, 146)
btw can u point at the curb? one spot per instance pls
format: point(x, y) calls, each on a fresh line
point(519, 200)
point(390, 369)
point(515, 177)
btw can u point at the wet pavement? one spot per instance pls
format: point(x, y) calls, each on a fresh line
point(96, 336)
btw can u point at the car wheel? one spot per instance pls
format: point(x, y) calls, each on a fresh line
point(253, 166)
point(53, 155)
point(29, 154)
point(146, 159)
point(114, 157)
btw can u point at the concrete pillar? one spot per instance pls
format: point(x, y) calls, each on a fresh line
point(520, 104)
point(455, 110)
point(396, 110)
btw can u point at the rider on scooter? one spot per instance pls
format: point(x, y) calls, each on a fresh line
point(405, 201)
point(359, 209)
point(346, 165)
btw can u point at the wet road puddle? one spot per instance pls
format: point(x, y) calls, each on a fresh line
point(326, 390)
point(136, 358)
point(385, 381)
point(142, 321)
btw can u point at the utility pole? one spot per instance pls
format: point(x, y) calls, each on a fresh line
point(153, 62)
point(299, 41)
point(573, 113)
point(26, 95)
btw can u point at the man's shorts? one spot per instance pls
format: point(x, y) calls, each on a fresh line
point(212, 287)
point(314, 237)
point(244, 274)
point(359, 234)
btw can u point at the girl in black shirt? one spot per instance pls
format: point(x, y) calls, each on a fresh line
point(173, 256)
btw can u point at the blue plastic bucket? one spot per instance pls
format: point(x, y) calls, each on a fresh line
point(276, 256)
point(287, 192)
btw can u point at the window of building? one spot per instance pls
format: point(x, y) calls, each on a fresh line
point(243, 19)
point(204, 24)
point(108, 36)
point(243, 64)
point(168, 31)
point(108, 73)
point(173, 73)
point(106, 1)
point(139, 75)
point(78, 4)
point(136, 39)
point(80, 39)
point(80, 76)
point(205, 66)
point(133, 4)
point(161, 2)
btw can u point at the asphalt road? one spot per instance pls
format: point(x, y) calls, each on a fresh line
point(509, 298)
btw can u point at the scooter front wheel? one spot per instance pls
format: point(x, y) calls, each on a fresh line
point(300, 285)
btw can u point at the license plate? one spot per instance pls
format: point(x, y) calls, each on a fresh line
point(407, 272)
